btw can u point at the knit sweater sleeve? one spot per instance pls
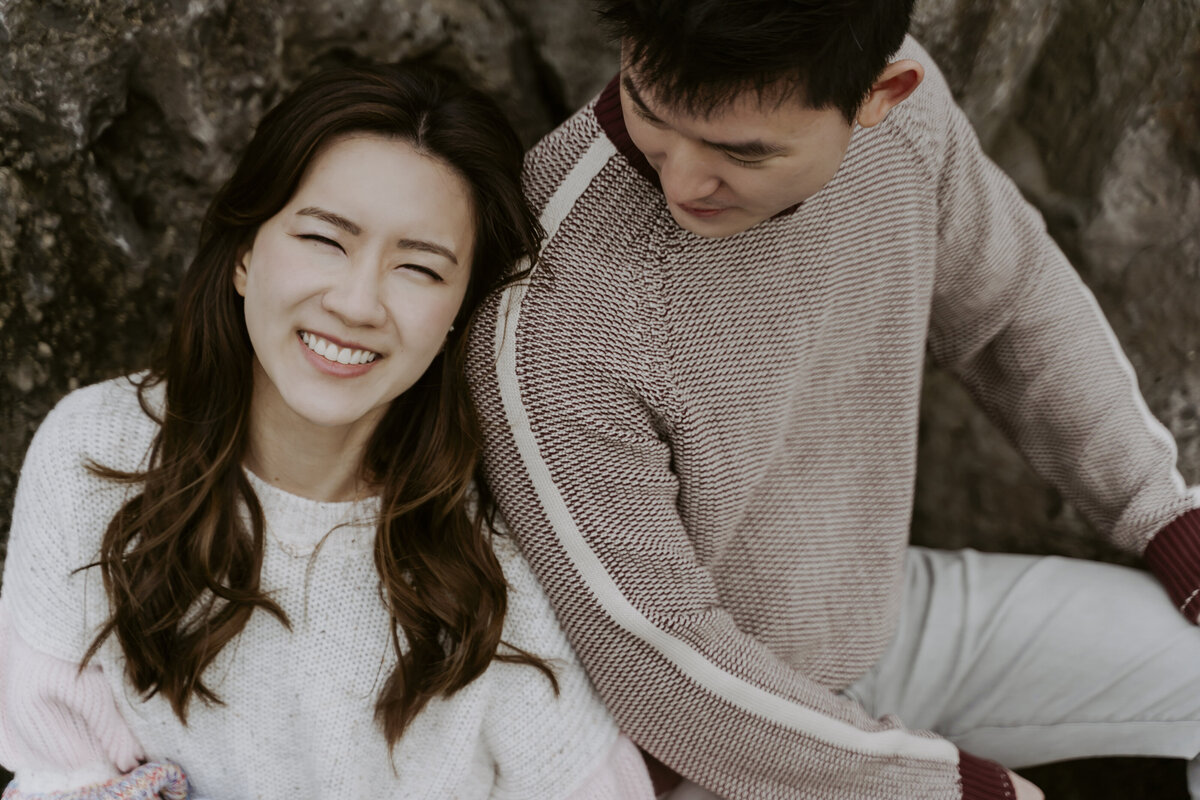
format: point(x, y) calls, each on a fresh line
point(61, 511)
point(582, 465)
point(548, 744)
point(59, 725)
point(43, 594)
point(1014, 322)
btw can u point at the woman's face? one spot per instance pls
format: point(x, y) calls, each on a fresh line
point(351, 288)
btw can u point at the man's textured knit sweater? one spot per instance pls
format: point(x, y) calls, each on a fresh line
point(707, 446)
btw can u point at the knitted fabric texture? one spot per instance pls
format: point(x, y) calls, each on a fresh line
point(146, 782)
point(707, 446)
point(298, 713)
point(58, 721)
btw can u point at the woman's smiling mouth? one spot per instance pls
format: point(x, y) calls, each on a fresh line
point(338, 355)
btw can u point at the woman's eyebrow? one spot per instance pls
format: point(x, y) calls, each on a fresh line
point(337, 220)
point(428, 247)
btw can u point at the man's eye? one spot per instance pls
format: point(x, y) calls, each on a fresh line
point(742, 162)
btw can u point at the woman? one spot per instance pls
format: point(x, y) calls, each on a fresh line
point(263, 560)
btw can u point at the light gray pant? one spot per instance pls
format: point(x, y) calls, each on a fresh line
point(1029, 659)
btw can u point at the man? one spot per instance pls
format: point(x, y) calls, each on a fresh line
point(701, 417)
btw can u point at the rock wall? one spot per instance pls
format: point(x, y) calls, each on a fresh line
point(118, 119)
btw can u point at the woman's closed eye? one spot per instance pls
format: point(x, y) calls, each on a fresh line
point(318, 238)
point(423, 270)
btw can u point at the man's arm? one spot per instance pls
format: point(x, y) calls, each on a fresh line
point(1014, 322)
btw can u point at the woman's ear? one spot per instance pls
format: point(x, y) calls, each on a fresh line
point(897, 81)
point(241, 269)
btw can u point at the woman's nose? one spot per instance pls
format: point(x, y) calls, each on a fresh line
point(355, 297)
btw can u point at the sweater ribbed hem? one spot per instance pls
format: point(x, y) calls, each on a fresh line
point(983, 780)
point(1174, 556)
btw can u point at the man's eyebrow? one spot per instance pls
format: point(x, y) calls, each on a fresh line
point(753, 149)
point(337, 220)
point(428, 247)
point(636, 98)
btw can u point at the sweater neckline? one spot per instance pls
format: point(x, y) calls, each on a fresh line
point(612, 121)
point(298, 524)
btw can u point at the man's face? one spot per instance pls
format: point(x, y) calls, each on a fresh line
point(747, 161)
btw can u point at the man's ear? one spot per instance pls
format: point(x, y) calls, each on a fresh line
point(241, 269)
point(897, 81)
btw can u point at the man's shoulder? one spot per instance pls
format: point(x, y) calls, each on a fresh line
point(922, 121)
point(579, 139)
point(548, 162)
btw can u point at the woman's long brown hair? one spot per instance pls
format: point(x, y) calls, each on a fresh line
point(180, 567)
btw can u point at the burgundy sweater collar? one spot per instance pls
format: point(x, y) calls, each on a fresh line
point(612, 120)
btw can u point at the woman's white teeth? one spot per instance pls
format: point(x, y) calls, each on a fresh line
point(331, 352)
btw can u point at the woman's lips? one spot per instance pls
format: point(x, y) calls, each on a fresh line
point(334, 368)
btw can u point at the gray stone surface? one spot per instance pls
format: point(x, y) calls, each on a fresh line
point(118, 119)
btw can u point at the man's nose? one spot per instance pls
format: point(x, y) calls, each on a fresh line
point(686, 173)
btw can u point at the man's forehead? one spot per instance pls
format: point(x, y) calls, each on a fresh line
point(743, 125)
point(714, 102)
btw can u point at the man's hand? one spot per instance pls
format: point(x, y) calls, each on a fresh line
point(1025, 790)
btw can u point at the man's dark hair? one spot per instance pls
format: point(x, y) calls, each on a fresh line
point(695, 55)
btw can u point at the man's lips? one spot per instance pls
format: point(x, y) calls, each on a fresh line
point(700, 211)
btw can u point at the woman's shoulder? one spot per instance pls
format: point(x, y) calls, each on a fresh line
point(62, 508)
point(529, 622)
point(517, 573)
point(104, 422)
point(110, 404)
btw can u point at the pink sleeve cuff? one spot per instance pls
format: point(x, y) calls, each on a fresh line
point(983, 780)
point(57, 720)
point(1174, 557)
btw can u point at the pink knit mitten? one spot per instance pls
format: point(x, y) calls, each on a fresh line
point(159, 781)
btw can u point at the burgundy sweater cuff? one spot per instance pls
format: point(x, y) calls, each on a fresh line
point(983, 780)
point(1174, 556)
